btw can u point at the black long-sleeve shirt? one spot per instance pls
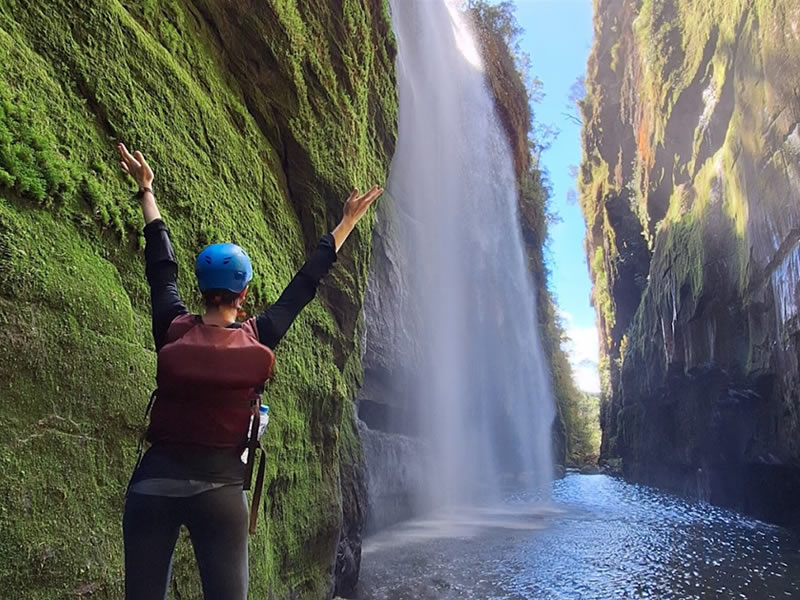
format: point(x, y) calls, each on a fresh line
point(161, 269)
point(200, 463)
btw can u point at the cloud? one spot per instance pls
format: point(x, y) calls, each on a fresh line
point(587, 379)
point(583, 350)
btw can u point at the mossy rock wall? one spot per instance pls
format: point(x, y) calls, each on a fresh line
point(691, 190)
point(258, 117)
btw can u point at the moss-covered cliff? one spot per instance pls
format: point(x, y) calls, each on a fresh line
point(690, 186)
point(257, 117)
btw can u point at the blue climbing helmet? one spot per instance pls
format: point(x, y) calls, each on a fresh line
point(223, 267)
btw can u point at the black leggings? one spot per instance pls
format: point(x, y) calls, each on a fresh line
point(217, 522)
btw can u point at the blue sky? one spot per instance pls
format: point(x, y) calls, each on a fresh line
point(557, 37)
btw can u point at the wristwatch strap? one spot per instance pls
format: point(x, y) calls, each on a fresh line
point(140, 194)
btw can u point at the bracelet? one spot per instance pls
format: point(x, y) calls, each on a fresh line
point(142, 191)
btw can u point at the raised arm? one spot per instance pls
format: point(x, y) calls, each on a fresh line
point(274, 322)
point(161, 268)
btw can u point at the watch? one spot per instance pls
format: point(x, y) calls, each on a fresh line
point(142, 191)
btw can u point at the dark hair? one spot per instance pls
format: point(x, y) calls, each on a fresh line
point(219, 297)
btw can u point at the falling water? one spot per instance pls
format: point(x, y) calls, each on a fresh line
point(483, 399)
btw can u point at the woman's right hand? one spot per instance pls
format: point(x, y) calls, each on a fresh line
point(136, 166)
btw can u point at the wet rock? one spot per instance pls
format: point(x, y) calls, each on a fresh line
point(611, 466)
point(354, 510)
point(394, 476)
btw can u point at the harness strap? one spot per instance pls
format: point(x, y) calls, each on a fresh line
point(253, 444)
point(256, 499)
point(143, 435)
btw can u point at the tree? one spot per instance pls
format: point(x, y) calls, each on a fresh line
point(577, 92)
point(499, 18)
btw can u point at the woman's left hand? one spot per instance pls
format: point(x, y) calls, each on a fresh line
point(355, 207)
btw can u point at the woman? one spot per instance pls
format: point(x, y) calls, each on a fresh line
point(210, 369)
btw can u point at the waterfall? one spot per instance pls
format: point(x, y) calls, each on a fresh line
point(475, 387)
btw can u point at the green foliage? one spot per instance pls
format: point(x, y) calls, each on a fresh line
point(601, 293)
point(499, 18)
point(583, 445)
point(579, 412)
point(263, 165)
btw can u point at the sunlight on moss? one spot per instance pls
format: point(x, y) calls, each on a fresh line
point(74, 301)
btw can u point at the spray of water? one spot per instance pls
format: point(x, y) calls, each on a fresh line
point(484, 401)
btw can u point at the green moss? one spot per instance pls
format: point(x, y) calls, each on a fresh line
point(601, 294)
point(615, 57)
point(672, 38)
point(74, 303)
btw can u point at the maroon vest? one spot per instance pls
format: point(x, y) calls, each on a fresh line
point(207, 383)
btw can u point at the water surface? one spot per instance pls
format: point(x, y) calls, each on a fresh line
point(600, 537)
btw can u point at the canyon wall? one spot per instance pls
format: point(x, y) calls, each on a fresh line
point(690, 186)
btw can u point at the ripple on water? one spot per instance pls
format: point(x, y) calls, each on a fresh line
point(600, 537)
